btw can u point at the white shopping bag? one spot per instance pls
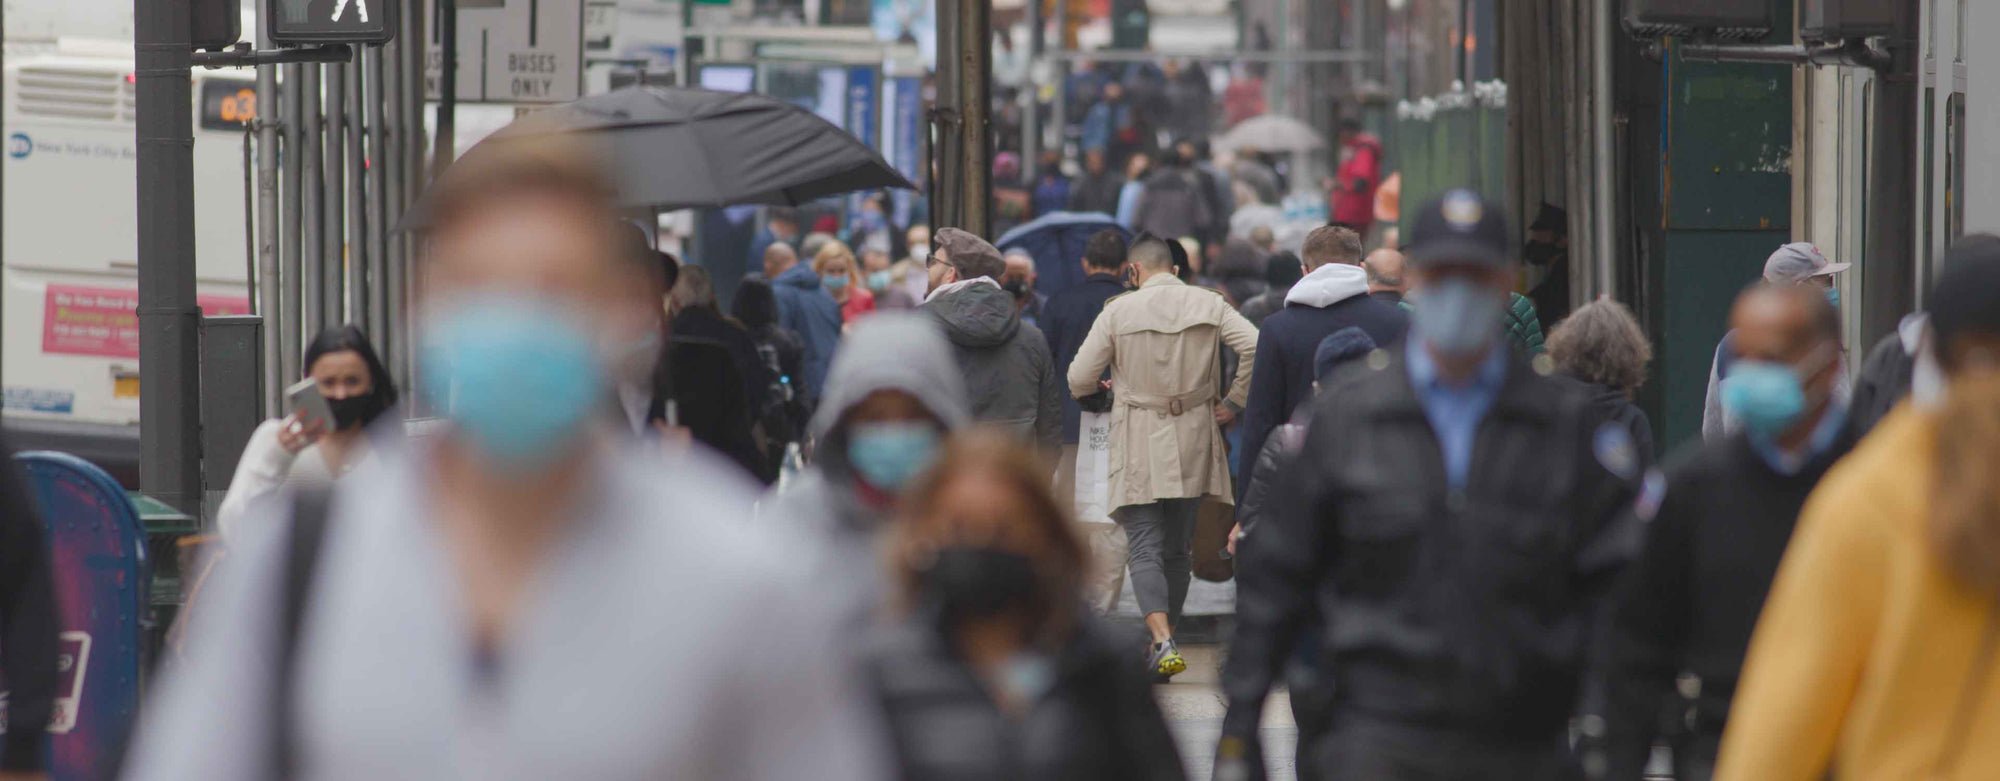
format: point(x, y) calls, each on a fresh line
point(1093, 469)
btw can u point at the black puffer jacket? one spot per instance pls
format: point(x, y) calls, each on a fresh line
point(1096, 722)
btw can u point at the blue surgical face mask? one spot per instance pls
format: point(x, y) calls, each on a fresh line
point(1833, 296)
point(519, 376)
point(1457, 315)
point(889, 454)
point(1766, 396)
point(834, 281)
point(879, 280)
point(873, 221)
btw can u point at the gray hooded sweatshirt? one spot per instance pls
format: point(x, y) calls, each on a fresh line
point(1005, 362)
point(884, 351)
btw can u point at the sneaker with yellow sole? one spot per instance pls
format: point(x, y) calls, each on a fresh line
point(1165, 661)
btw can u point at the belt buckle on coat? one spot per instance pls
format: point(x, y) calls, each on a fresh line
point(1174, 406)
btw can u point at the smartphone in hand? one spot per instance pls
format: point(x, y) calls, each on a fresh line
point(310, 405)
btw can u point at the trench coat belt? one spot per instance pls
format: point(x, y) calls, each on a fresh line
point(1173, 405)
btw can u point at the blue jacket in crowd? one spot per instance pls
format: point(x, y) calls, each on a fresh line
point(1066, 319)
point(1332, 297)
point(810, 312)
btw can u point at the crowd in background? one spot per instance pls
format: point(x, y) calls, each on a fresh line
point(896, 486)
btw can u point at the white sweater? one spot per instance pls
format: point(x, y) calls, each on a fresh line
point(267, 467)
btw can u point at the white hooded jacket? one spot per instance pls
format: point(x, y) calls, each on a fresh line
point(1328, 285)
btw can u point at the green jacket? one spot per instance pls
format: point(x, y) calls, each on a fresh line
point(1524, 327)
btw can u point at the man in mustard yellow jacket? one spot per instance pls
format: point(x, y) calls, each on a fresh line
point(1167, 454)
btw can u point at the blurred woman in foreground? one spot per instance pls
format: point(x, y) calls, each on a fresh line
point(996, 670)
point(1875, 653)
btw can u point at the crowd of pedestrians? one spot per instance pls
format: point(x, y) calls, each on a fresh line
point(873, 519)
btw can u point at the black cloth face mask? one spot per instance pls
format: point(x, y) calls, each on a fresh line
point(357, 410)
point(973, 582)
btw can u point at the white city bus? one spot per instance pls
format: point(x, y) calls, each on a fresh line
point(71, 352)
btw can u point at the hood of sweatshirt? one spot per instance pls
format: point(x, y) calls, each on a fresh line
point(893, 351)
point(800, 276)
point(1328, 285)
point(976, 315)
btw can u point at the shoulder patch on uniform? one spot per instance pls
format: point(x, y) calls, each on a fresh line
point(1543, 364)
point(1652, 491)
point(1615, 452)
point(1378, 359)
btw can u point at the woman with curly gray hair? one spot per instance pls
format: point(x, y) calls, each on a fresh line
point(1601, 346)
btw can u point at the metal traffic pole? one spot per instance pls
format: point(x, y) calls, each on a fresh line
point(447, 111)
point(311, 213)
point(414, 176)
point(269, 302)
point(169, 319)
point(333, 227)
point(974, 67)
point(380, 160)
point(357, 200)
point(290, 190)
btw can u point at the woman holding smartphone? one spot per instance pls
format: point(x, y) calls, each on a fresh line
point(303, 448)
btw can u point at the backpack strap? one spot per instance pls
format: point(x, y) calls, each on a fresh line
point(309, 519)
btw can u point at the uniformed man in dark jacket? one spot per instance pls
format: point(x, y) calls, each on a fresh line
point(1458, 519)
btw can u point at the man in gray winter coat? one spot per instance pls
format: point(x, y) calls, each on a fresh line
point(1006, 364)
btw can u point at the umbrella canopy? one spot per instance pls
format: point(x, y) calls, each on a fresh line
point(682, 148)
point(1270, 132)
point(1056, 240)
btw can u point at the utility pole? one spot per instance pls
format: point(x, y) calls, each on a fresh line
point(270, 303)
point(447, 110)
point(964, 105)
point(1887, 287)
point(1031, 114)
point(169, 350)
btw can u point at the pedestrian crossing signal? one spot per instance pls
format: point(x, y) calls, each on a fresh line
point(294, 22)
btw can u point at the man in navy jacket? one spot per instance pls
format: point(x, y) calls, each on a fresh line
point(1066, 319)
point(1333, 295)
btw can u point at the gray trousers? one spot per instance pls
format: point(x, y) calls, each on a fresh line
point(1160, 553)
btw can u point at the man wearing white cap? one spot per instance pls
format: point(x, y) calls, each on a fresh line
point(1798, 263)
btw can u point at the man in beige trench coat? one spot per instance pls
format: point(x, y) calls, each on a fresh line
point(1167, 452)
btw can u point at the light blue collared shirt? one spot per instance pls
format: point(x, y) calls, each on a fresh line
point(1455, 410)
point(1823, 436)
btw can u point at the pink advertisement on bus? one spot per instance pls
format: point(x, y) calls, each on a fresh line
point(104, 321)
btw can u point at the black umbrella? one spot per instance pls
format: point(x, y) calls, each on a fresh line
point(681, 148)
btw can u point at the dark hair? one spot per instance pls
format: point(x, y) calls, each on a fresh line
point(344, 338)
point(1152, 252)
point(1963, 302)
point(1282, 269)
point(670, 269)
point(1105, 249)
point(1183, 266)
point(755, 305)
point(1349, 125)
point(782, 214)
point(660, 267)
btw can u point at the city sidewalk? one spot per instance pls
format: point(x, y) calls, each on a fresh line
point(1194, 706)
